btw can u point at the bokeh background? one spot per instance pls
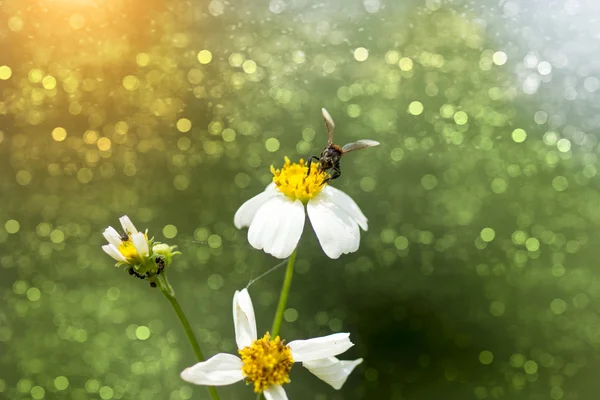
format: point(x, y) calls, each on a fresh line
point(478, 277)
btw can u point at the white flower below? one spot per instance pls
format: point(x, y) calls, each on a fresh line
point(256, 364)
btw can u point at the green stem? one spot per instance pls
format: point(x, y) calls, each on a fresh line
point(169, 293)
point(285, 290)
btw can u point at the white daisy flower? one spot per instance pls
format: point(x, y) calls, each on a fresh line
point(266, 363)
point(129, 248)
point(276, 216)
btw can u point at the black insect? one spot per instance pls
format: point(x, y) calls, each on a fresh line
point(135, 273)
point(330, 157)
point(124, 236)
point(160, 263)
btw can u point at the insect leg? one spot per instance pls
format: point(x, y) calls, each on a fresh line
point(310, 163)
point(334, 175)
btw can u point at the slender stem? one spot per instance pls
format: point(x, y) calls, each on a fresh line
point(169, 293)
point(285, 290)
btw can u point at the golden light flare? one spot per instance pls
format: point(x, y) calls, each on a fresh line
point(121, 127)
point(142, 59)
point(184, 125)
point(204, 56)
point(75, 108)
point(90, 136)
point(76, 21)
point(104, 144)
point(131, 82)
point(59, 134)
point(49, 82)
point(35, 75)
point(15, 23)
point(5, 72)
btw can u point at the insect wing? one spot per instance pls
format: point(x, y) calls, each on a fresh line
point(359, 144)
point(328, 124)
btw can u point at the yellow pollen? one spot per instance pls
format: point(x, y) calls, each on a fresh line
point(293, 181)
point(129, 252)
point(266, 362)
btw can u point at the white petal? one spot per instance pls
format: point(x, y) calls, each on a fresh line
point(219, 370)
point(245, 214)
point(331, 370)
point(127, 225)
point(321, 347)
point(277, 226)
point(140, 243)
point(338, 233)
point(114, 252)
point(244, 322)
point(346, 203)
point(275, 392)
point(112, 236)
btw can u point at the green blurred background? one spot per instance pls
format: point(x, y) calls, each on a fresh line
point(477, 278)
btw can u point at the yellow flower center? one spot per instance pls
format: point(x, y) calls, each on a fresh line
point(129, 251)
point(266, 362)
point(293, 180)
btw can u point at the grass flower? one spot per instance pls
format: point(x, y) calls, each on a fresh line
point(131, 247)
point(145, 258)
point(265, 363)
point(276, 216)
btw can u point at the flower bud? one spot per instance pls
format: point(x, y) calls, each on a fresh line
point(164, 251)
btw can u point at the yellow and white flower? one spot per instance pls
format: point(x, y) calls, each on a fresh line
point(276, 216)
point(266, 362)
point(130, 248)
